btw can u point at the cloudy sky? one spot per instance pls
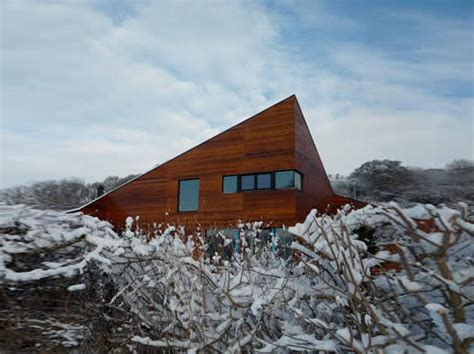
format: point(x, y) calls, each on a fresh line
point(97, 88)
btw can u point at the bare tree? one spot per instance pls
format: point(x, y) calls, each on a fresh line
point(460, 164)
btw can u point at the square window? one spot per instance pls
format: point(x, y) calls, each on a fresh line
point(229, 184)
point(264, 181)
point(284, 179)
point(188, 195)
point(247, 182)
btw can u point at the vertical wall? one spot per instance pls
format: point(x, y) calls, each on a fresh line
point(317, 190)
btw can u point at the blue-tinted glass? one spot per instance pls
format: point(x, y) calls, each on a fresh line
point(284, 179)
point(247, 182)
point(264, 181)
point(230, 184)
point(188, 195)
point(297, 180)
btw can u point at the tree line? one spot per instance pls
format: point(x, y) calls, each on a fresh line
point(64, 194)
point(373, 181)
point(389, 180)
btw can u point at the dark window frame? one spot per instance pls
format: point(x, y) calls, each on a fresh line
point(179, 194)
point(272, 181)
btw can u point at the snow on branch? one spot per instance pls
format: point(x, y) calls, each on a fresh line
point(378, 278)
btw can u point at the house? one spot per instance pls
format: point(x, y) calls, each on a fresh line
point(266, 168)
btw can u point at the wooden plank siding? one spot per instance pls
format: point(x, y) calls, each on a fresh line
point(317, 190)
point(274, 139)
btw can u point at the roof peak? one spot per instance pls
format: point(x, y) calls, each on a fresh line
point(289, 98)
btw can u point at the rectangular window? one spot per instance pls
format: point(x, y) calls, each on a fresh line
point(298, 180)
point(188, 195)
point(247, 182)
point(289, 179)
point(229, 184)
point(284, 179)
point(264, 181)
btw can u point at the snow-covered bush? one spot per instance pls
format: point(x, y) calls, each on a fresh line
point(369, 280)
point(425, 306)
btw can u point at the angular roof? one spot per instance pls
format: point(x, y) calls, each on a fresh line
point(292, 97)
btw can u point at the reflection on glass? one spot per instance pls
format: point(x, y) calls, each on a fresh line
point(297, 180)
point(188, 195)
point(284, 179)
point(264, 181)
point(247, 182)
point(230, 184)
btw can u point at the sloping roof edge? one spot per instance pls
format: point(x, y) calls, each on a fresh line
point(185, 152)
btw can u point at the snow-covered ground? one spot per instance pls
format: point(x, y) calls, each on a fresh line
point(377, 278)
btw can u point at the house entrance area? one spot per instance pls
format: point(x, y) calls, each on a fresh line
point(225, 243)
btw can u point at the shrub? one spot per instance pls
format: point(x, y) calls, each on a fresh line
point(411, 290)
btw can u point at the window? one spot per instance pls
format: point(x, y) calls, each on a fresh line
point(247, 182)
point(287, 179)
point(264, 181)
point(188, 195)
point(229, 184)
point(284, 179)
point(298, 180)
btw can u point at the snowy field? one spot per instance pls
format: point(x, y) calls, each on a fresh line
point(379, 279)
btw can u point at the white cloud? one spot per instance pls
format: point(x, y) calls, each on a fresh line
point(83, 96)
